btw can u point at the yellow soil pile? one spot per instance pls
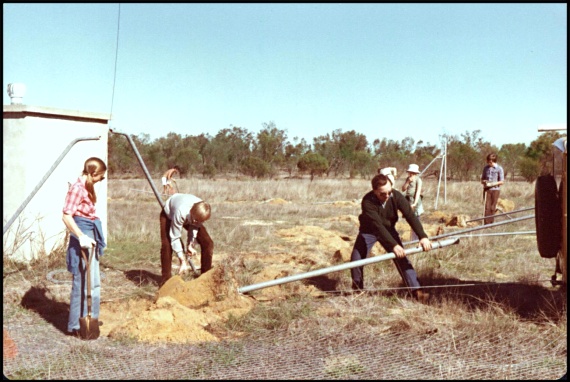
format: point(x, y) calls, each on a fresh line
point(344, 203)
point(184, 309)
point(505, 205)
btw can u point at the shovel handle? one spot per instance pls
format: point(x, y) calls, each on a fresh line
point(88, 276)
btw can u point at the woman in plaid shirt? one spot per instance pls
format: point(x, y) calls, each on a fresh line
point(86, 232)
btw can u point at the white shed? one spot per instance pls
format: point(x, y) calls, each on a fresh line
point(48, 147)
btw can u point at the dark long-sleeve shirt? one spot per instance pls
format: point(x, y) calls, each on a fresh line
point(381, 221)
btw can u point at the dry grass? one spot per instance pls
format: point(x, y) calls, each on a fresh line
point(485, 287)
point(133, 227)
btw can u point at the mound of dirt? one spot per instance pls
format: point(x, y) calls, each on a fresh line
point(458, 220)
point(184, 309)
point(504, 205)
point(343, 203)
point(320, 244)
point(347, 218)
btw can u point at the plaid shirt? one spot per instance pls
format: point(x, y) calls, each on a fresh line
point(77, 202)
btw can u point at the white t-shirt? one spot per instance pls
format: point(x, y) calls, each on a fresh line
point(177, 208)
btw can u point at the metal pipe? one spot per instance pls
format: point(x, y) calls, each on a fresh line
point(42, 181)
point(148, 177)
point(143, 166)
point(341, 267)
point(445, 174)
point(433, 160)
point(474, 229)
point(505, 213)
point(439, 183)
point(148, 192)
point(501, 234)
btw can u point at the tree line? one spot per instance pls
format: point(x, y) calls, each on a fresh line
point(269, 153)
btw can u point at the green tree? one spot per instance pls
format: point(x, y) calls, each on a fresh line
point(121, 158)
point(255, 167)
point(228, 148)
point(313, 163)
point(541, 150)
point(510, 156)
point(270, 145)
point(529, 168)
point(390, 153)
point(363, 164)
point(324, 146)
point(462, 160)
point(352, 148)
point(293, 152)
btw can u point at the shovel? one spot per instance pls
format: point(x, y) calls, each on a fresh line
point(88, 326)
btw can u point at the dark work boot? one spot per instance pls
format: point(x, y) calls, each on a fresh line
point(422, 296)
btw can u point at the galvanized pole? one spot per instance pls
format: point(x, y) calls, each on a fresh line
point(506, 213)
point(150, 181)
point(341, 267)
point(439, 182)
point(473, 229)
point(433, 160)
point(143, 166)
point(445, 174)
point(499, 234)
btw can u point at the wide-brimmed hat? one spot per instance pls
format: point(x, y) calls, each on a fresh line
point(414, 168)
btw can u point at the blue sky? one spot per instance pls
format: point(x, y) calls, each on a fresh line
point(384, 70)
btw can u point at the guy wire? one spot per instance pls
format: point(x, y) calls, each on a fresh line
point(116, 58)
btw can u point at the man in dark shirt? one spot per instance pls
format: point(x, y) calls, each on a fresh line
point(377, 223)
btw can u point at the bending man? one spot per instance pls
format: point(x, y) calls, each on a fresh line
point(189, 212)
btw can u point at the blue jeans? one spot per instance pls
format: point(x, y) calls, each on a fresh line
point(78, 300)
point(362, 246)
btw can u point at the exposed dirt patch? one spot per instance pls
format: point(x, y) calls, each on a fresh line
point(185, 309)
point(182, 310)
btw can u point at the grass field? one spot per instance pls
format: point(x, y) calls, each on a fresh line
point(484, 287)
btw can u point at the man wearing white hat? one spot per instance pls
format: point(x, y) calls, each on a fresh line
point(413, 192)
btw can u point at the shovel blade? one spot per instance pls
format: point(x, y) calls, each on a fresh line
point(88, 328)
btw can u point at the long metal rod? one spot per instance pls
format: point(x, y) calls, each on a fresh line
point(473, 229)
point(500, 234)
point(150, 181)
point(433, 160)
point(341, 267)
point(148, 192)
point(143, 166)
point(445, 174)
point(505, 213)
point(43, 180)
point(439, 183)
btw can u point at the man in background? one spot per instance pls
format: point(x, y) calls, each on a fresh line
point(167, 180)
point(492, 179)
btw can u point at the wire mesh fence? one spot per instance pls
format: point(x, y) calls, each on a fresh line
point(338, 351)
